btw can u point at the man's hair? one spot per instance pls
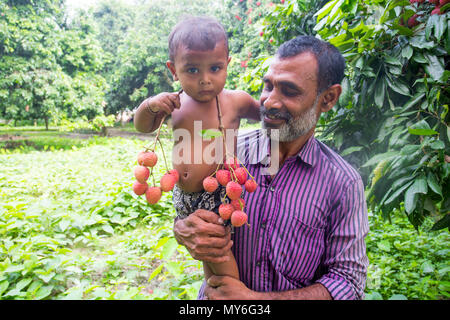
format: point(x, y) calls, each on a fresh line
point(331, 63)
point(196, 33)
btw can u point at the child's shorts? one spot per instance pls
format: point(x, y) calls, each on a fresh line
point(187, 202)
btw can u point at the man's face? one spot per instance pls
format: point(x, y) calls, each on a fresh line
point(289, 101)
point(202, 74)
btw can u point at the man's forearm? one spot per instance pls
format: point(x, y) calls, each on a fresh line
point(313, 292)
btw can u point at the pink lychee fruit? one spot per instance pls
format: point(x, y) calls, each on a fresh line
point(233, 190)
point(210, 184)
point(225, 210)
point(139, 188)
point(238, 218)
point(147, 158)
point(153, 194)
point(141, 173)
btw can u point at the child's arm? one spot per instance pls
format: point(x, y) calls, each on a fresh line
point(248, 107)
point(151, 111)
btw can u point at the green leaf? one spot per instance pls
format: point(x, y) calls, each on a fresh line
point(421, 128)
point(3, 286)
point(411, 195)
point(155, 272)
point(379, 93)
point(384, 245)
point(210, 133)
point(435, 67)
point(396, 193)
point(433, 184)
point(442, 223)
point(380, 157)
point(351, 150)
point(169, 248)
point(437, 145)
point(398, 297)
point(413, 101)
point(427, 267)
point(43, 292)
point(440, 25)
point(398, 86)
point(107, 228)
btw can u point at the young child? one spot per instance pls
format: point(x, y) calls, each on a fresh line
point(198, 58)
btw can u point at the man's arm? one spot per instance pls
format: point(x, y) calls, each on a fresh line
point(227, 288)
point(204, 236)
point(345, 258)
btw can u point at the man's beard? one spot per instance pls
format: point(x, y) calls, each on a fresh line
point(293, 127)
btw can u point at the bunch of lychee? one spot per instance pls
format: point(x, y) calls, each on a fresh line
point(235, 179)
point(148, 159)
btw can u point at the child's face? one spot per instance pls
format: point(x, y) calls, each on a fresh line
point(202, 74)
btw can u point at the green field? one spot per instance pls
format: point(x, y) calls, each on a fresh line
point(71, 228)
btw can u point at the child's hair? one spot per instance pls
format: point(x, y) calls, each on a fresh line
point(196, 33)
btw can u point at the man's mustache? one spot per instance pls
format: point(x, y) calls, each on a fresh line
point(275, 113)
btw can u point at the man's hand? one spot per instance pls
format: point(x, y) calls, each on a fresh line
point(165, 101)
point(204, 236)
point(228, 288)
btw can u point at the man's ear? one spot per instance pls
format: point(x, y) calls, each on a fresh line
point(229, 59)
point(330, 97)
point(172, 69)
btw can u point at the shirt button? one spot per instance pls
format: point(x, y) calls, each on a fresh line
point(272, 189)
point(263, 225)
point(258, 264)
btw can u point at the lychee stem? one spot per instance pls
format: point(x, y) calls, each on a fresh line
point(164, 156)
point(243, 166)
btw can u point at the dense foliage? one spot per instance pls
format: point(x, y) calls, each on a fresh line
point(391, 121)
point(48, 68)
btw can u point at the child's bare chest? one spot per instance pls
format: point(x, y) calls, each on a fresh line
point(194, 118)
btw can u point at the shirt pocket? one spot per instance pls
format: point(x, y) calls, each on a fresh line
point(299, 250)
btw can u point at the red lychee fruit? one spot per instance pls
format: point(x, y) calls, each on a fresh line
point(437, 10)
point(225, 210)
point(433, 1)
point(210, 184)
point(238, 218)
point(443, 2)
point(250, 185)
point(412, 22)
point(233, 190)
point(175, 173)
point(147, 158)
point(241, 175)
point(139, 188)
point(167, 182)
point(153, 194)
point(223, 176)
point(141, 173)
point(238, 204)
point(231, 162)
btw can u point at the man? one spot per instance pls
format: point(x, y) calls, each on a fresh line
point(309, 219)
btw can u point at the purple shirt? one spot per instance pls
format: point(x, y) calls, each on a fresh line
point(307, 224)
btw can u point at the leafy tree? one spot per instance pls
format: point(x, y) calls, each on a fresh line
point(139, 65)
point(47, 66)
point(391, 121)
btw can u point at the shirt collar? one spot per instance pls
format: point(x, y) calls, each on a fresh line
point(307, 154)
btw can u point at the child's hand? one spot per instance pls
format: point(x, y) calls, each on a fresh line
point(165, 101)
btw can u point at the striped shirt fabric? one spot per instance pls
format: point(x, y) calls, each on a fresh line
point(307, 224)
